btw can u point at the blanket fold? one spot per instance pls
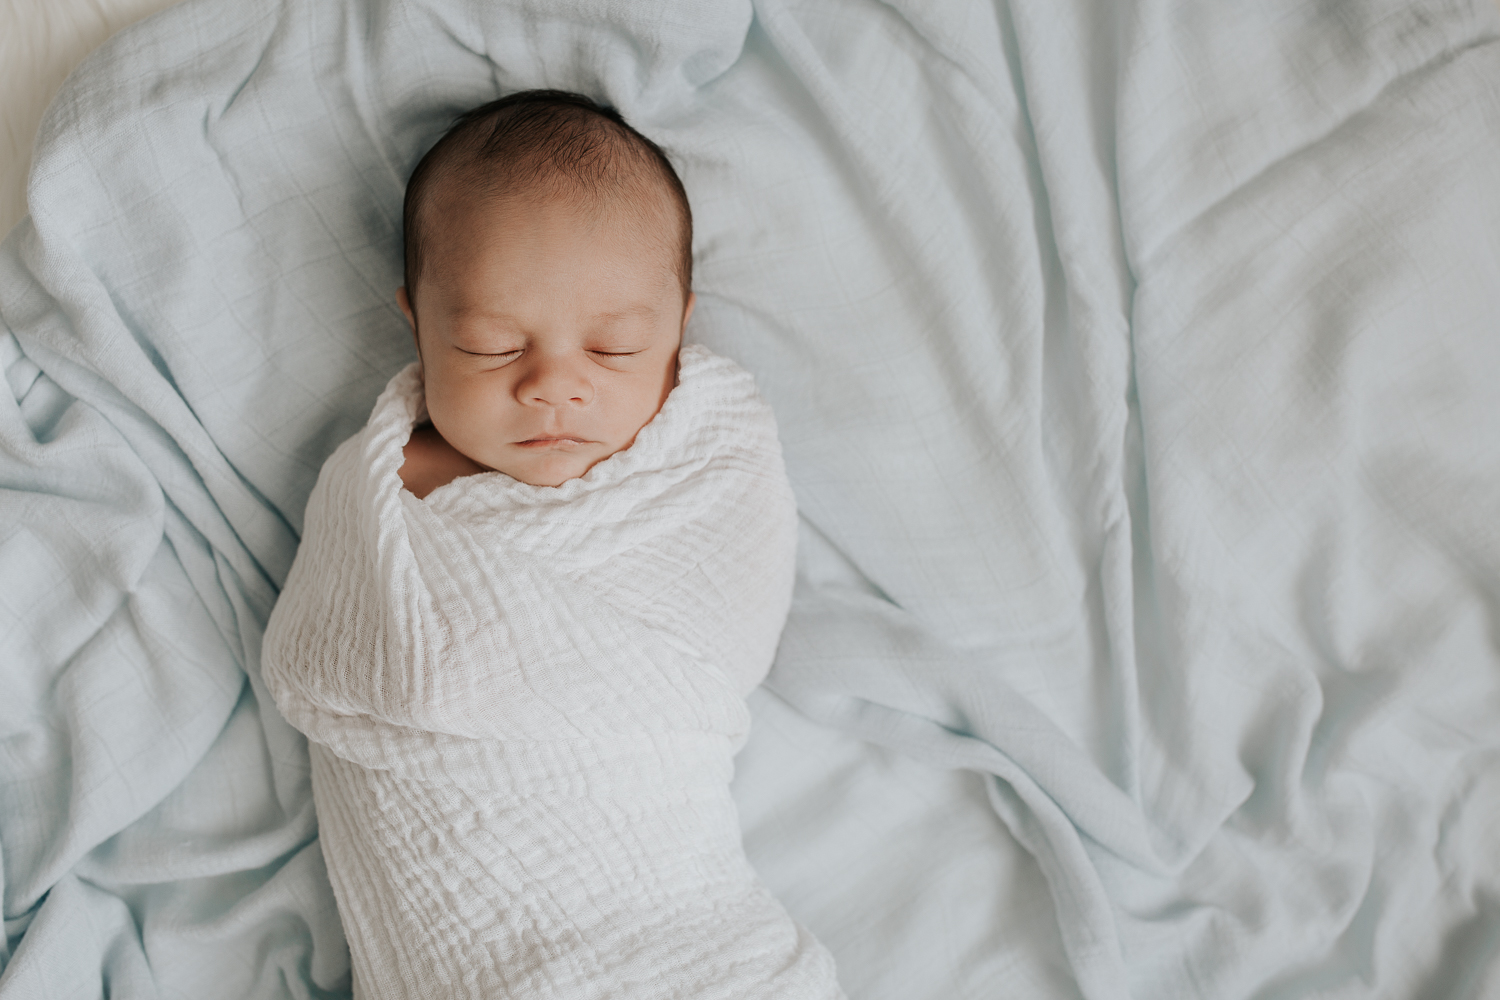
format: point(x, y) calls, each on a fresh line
point(525, 701)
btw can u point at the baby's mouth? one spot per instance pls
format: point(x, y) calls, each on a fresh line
point(562, 442)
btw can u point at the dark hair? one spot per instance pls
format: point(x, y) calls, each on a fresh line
point(550, 139)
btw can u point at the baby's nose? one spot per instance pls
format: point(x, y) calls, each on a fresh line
point(552, 382)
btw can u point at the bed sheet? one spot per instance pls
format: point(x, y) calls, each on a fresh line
point(1131, 363)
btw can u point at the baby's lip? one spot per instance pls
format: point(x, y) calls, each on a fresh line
point(553, 440)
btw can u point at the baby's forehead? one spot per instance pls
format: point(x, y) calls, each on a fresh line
point(464, 211)
point(546, 148)
point(508, 248)
point(469, 210)
point(634, 190)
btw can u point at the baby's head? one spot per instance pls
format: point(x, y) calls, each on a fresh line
point(548, 282)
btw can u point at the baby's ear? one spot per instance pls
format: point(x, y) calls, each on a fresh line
point(404, 301)
point(687, 310)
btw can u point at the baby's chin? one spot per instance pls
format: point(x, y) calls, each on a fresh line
point(551, 468)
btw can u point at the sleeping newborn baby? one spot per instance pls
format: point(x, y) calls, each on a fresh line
point(533, 592)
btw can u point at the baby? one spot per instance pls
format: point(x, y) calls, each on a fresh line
point(553, 246)
point(533, 592)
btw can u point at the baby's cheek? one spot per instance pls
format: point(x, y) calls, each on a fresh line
point(452, 414)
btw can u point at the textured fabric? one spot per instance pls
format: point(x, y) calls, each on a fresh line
point(525, 703)
point(41, 41)
point(1133, 365)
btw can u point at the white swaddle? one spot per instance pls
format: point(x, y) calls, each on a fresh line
point(524, 703)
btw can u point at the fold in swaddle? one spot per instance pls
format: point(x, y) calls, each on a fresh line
point(524, 703)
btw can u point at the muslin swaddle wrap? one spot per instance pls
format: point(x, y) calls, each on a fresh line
point(524, 702)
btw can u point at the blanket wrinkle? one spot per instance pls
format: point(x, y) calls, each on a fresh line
point(544, 688)
point(926, 278)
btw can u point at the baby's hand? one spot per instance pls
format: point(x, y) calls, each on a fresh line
point(432, 462)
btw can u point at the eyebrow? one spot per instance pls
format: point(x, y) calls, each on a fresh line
point(470, 315)
point(640, 309)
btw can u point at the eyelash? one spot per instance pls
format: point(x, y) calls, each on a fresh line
point(506, 354)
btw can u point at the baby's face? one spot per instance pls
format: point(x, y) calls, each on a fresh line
point(548, 334)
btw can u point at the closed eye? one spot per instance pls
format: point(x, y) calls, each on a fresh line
point(616, 354)
point(483, 354)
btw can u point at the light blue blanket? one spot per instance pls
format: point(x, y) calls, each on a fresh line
point(1135, 365)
